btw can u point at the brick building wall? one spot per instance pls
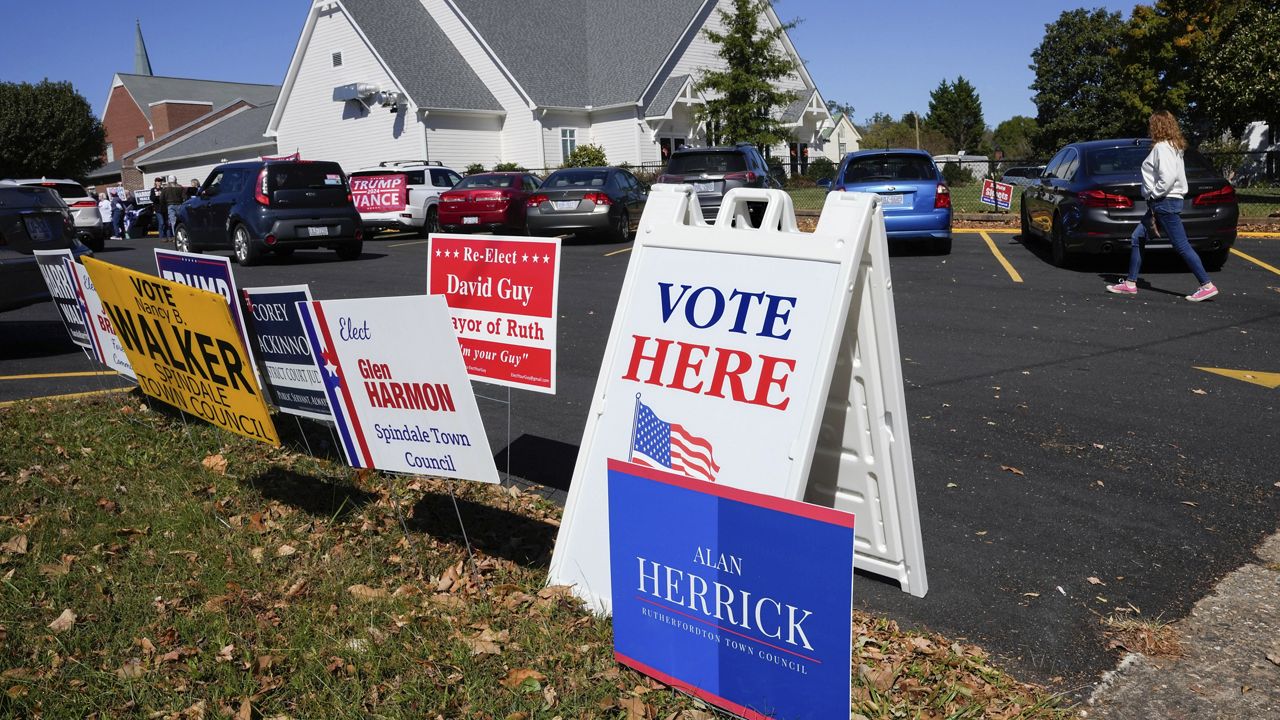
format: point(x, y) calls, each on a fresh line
point(168, 116)
point(124, 122)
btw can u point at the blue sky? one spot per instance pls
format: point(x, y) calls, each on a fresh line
point(878, 56)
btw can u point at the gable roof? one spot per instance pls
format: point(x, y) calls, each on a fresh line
point(666, 96)
point(148, 89)
point(432, 71)
point(796, 109)
point(242, 129)
point(547, 44)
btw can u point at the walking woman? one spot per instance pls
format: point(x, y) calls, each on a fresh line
point(1164, 183)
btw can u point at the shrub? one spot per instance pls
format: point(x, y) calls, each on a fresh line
point(474, 168)
point(820, 169)
point(801, 181)
point(956, 174)
point(508, 167)
point(589, 155)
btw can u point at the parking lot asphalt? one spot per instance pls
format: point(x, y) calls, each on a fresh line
point(1078, 455)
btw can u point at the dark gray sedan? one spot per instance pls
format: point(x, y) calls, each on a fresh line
point(31, 218)
point(601, 201)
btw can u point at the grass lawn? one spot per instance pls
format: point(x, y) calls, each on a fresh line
point(161, 569)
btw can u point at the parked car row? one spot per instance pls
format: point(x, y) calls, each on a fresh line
point(32, 217)
point(89, 228)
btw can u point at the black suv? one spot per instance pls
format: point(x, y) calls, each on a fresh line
point(713, 171)
point(277, 206)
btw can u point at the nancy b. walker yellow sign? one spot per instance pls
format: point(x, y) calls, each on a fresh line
point(185, 348)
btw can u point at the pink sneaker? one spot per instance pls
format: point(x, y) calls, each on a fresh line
point(1204, 293)
point(1128, 287)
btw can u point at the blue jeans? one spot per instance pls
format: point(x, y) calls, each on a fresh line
point(1167, 214)
point(162, 222)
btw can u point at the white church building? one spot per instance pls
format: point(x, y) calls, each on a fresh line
point(496, 81)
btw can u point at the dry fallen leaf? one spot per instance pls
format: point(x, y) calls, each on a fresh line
point(215, 463)
point(1274, 657)
point(1094, 581)
point(1014, 470)
point(131, 669)
point(225, 654)
point(1190, 504)
point(285, 550)
point(16, 545)
point(1033, 595)
point(63, 621)
point(364, 592)
point(487, 642)
point(1198, 391)
point(636, 708)
point(517, 678)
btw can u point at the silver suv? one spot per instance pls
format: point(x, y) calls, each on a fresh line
point(90, 229)
point(714, 171)
point(417, 209)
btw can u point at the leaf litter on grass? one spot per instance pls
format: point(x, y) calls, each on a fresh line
point(290, 589)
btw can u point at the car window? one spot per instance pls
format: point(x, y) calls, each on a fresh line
point(576, 178)
point(305, 176)
point(873, 168)
point(709, 162)
point(444, 178)
point(29, 197)
point(484, 181)
point(213, 185)
point(1067, 168)
point(629, 180)
point(233, 181)
point(1051, 169)
point(415, 177)
point(531, 182)
point(66, 190)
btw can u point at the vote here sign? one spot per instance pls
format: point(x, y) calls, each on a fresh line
point(742, 599)
point(184, 348)
point(503, 294)
point(396, 386)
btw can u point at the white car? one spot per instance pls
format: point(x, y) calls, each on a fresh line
point(402, 194)
point(90, 229)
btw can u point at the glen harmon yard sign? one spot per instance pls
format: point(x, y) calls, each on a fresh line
point(397, 388)
point(741, 599)
point(503, 295)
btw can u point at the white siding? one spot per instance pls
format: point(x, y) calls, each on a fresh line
point(460, 140)
point(617, 131)
point(321, 128)
point(185, 170)
point(552, 123)
point(521, 140)
point(702, 54)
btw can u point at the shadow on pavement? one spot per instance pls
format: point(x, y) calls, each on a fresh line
point(540, 460)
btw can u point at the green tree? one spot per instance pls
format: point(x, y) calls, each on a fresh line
point(47, 130)
point(586, 156)
point(839, 108)
point(744, 101)
point(1079, 80)
point(1016, 137)
point(1241, 82)
point(956, 111)
point(885, 132)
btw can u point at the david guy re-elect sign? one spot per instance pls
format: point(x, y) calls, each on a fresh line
point(503, 294)
point(184, 348)
point(395, 382)
point(742, 599)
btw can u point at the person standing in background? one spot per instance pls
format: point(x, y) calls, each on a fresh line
point(1164, 184)
point(174, 195)
point(194, 188)
point(104, 209)
point(117, 195)
point(160, 208)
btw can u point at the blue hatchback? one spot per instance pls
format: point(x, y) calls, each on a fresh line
point(916, 200)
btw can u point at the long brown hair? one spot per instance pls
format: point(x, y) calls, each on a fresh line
point(1164, 128)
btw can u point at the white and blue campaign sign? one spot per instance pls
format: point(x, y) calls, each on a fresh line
point(718, 592)
point(397, 387)
point(106, 344)
point(55, 266)
point(280, 343)
point(206, 272)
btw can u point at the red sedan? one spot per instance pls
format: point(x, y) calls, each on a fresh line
point(488, 201)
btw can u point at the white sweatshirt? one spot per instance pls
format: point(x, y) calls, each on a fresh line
point(1163, 173)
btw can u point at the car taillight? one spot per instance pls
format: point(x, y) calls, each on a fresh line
point(1102, 199)
point(598, 198)
point(491, 195)
point(451, 198)
point(941, 197)
point(1221, 196)
point(747, 176)
point(84, 204)
point(536, 200)
point(359, 234)
point(260, 189)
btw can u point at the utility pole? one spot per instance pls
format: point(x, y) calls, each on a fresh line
point(916, 116)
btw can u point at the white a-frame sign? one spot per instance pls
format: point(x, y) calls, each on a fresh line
point(761, 358)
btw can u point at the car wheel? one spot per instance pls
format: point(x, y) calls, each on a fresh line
point(1024, 224)
point(350, 250)
point(182, 239)
point(1058, 243)
point(1213, 261)
point(622, 228)
point(247, 253)
point(430, 221)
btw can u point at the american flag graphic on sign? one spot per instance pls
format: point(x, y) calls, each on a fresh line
point(661, 444)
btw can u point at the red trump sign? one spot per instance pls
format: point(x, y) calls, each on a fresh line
point(502, 294)
point(379, 193)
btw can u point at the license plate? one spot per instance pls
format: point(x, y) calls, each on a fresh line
point(704, 187)
point(895, 199)
point(38, 229)
point(319, 231)
point(470, 220)
point(566, 204)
